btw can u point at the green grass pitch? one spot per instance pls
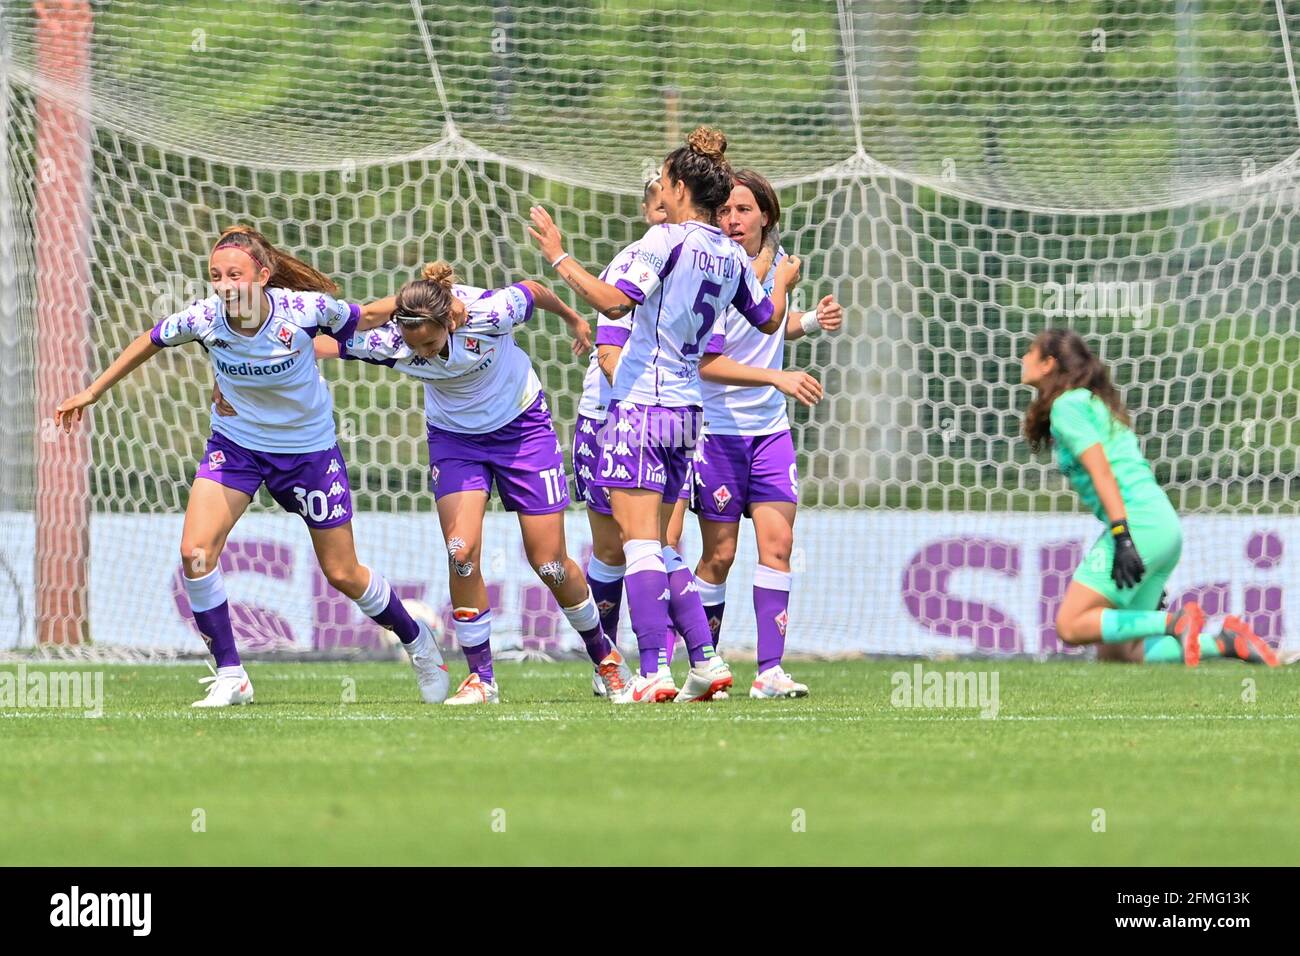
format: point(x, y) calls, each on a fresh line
point(1186, 768)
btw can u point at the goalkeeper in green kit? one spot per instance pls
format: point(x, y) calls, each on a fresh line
point(1115, 597)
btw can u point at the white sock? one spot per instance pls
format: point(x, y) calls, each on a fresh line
point(598, 570)
point(206, 592)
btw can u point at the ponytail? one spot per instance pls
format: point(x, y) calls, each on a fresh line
point(287, 272)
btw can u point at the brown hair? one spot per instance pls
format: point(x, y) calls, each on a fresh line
point(764, 195)
point(287, 272)
point(1076, 367)
point(428, 298)
point(702, 166)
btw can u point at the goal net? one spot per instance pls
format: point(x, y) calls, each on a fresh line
point(959, 175)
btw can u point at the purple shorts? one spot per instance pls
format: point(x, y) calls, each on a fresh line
point(523, 457)
point(586, 455)
point(313, 485)
point(648, 446)
point(734, 472)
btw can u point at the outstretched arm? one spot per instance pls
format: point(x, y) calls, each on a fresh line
point(375, 314)
point(548, 301)
point(721, 370)
point(133, 356)
point(608, 300)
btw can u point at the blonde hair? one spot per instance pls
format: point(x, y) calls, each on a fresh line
point(287, 272)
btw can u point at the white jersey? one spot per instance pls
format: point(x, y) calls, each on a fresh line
point(595, 387)
point(485, 381)
point(682, 278)
point(747, 409)
point(270, 377)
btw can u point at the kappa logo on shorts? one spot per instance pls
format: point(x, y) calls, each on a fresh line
point(333, 469)
point(721, 497)
point(587, 429)
point(336, 489)
point(622, 474)
point(585, 473)
point(433, 473)
point(622, 449)
point(585, 450)
point(285, 335)
point(216, 459)
point(782, 620)
point(338, 512)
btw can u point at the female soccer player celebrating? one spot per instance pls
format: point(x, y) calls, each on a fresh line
point(258, 330)
point(1115, 596)
point(745, 465)
point(682, 275)
point(605, 569)
point(488, 423)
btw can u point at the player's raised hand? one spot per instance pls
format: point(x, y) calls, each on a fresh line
point(787, 271)
point(70, 409)
point(800, 386)
point(830, 314)
point(546, 233)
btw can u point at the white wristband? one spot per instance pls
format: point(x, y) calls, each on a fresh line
point(559, 260)
point(808, 322)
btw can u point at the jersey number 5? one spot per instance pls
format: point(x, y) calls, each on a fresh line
point(708, 311)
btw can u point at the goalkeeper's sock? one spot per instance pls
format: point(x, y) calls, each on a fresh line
point(1168, 649)
point(1117, 626)
point(207, 597)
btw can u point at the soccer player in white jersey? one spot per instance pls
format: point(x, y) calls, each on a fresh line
point(258, 330)
point(745, 464)
point(677, 284)
point(605, 568)
point(488, 424)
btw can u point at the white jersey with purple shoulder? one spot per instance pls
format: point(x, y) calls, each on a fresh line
point(747, 409)
point(682, 279)
point(271, 376)
point(486, 381)
point(595, 387)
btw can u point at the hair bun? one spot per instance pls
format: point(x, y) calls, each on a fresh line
point(439, 272)
point(708, 142)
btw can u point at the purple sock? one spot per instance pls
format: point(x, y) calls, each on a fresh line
point(670, 643)
point(598, 647)
point(479, 658)
point(609, 601)
point(771, 611)
point(394, 616)
point(649, 613)
point(688, 615)
point(214, 625)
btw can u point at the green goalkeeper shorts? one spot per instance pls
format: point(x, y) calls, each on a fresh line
point(1159, 541)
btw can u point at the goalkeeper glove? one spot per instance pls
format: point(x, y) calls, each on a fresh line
point(1127, 568)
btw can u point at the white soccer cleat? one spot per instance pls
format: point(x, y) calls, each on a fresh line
point(474, 690)
point(775, 682)
point(597, 685)
point(430, 671)
point(226, 690)
point(653, 688)
point(612, 673)
point(705, 680)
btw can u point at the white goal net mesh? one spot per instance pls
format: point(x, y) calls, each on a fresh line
point(958, 174)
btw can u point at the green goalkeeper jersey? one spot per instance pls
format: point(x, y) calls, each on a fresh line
point(1080, 420)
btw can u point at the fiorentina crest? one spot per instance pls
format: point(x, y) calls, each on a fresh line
point(721, 497)
point(433, 473)
point(782, 620)
point(472, 345)
point(216, 459)
point(285, 335)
